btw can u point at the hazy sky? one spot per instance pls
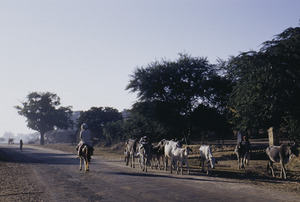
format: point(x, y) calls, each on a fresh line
point(85, 50)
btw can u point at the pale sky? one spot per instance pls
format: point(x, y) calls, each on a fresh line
point(85, 50)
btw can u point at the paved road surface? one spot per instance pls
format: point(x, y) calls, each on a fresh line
point(57, 172)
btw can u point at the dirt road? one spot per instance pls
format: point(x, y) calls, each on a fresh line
point(39, 174)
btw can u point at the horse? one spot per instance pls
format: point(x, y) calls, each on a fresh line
point(85, 156)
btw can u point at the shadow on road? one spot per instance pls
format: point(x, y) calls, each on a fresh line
point(29, 155)
point(170, 176)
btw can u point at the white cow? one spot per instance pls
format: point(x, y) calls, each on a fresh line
point(169, 145)
point(130, 150)
point(180, 155)
point(206, 155)
point(281, 154)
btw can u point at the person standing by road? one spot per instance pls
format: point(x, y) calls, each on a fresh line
point(21, 144)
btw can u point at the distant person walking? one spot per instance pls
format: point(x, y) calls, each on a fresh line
point(21, 144)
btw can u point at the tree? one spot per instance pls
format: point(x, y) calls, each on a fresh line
point(172, 90)
point(97, 118)
point(113, 130)
point(207, 120)
point(44, 114)
point(267, 84)
point(152, 119)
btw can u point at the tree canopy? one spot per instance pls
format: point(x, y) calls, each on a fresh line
point(169, 91)
point(43, 113)
point(266, 88)
point(97, 118)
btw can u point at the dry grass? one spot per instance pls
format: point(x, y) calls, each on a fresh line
point(255, 173)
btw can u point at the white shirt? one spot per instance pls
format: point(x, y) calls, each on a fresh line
point(86, 137)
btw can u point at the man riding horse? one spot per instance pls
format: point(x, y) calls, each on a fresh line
point(85, 139)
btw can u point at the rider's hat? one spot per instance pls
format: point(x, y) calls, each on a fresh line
point(84, 126)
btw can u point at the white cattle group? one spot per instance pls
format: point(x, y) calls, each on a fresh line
point(158, 155)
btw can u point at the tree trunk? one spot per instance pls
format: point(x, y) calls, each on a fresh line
point(42, 141)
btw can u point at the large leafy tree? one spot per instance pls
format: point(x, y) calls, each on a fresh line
point(97, 118)
point(267, 84)
point(169, 91)
point(44, 113)
point(152, 119)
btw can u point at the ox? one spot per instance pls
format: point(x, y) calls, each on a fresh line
point(206, 155)
point(157, 156)
point(131, 147)
point(169, 145)
point(144, 155)
point(242, 150)
point(280, 154)
point(180, 155)
point(143, 140)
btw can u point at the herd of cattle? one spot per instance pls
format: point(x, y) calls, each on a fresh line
point(156, 156)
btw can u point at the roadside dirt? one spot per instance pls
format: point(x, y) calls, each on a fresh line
point(18, 183)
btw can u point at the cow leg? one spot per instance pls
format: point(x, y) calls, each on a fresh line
point(132, 160)
point(248, 159)
point(202, 162)
point(80, 165)
point(144, 164)
point(87, 165)
point(208, 165)
point(181, 169)
point(188, 168)
point(140, 161)
point(163, 161)
point(271, 168)
point(242, 162)
point(166, 163)
point(171, 165)
point(245, 161)
point(153, 162)
point(282, 171)
point(127, 159)
point(158, 162)
point(176, 166)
